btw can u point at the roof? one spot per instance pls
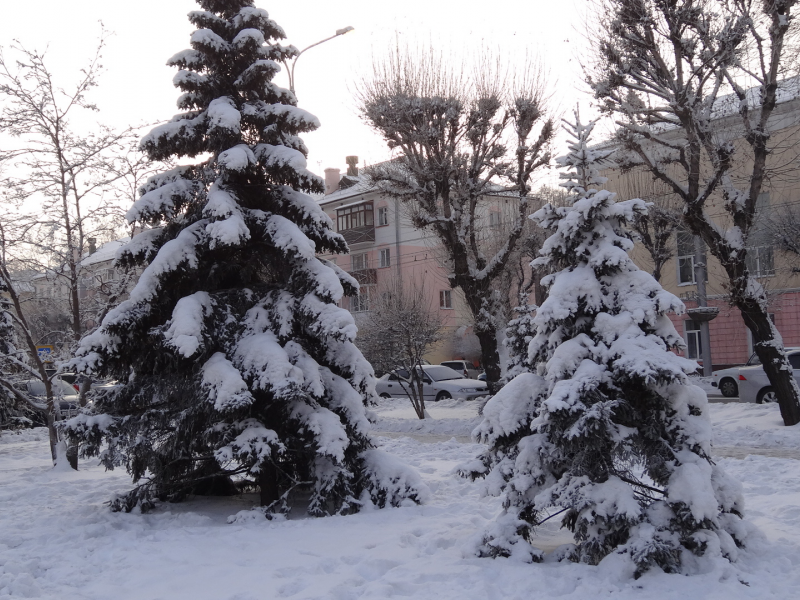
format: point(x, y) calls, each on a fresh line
point(360, 187)
point(106, 252)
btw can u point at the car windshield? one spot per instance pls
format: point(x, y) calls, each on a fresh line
point(754, 360)
point(60, 388)
point(439, 373)
point(453, 365)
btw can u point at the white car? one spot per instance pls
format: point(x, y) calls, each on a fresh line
point(754, 385)
point(726, 380)
point(439, 383)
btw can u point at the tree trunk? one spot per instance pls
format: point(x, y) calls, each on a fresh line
point(490, 358)
point(773, 358)
point(657, 271)
point(72, 455)
point(419, 405)
point(51, 430)
point(268, 483)
point(748, 296)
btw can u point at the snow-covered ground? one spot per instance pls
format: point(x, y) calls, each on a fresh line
point(58, 540)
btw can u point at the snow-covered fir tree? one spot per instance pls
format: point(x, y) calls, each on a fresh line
point(608, 433)
point(519, 333)
point(233, 356)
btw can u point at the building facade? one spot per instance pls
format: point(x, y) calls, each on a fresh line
point(777, 271)
point(387, 250)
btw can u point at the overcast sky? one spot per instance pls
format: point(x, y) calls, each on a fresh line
point(137, 86)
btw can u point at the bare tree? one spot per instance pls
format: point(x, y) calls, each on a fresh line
point(783, 229)
point(61, 188)
point(655, 229)
point(458, 140)
point(662, 69)
point(400, 329)
point(63, 179)
point(19, 358)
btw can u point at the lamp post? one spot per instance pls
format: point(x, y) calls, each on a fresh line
point(339, 32)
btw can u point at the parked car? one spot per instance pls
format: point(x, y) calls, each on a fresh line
point(754, 385)
point(65, 394)
point(726, 379)
point(465, 367)
point(71, 378)
point(439, 383)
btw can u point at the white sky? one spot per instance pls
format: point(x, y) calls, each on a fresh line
point(137, 86)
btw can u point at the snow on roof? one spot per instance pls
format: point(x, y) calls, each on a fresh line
point(360, 187)
point(106, 252)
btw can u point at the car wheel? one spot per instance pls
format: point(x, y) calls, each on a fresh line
point(728, 388)
point(385, 395)
point(766, 395)
point(443, 396)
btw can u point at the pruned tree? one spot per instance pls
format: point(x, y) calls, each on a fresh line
point(233, 358)
point(458, 140)
point(400, 329)
point(662, 69)
point(607, 430)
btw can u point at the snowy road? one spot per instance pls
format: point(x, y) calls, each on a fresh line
point(718, 451)
point(744, 452)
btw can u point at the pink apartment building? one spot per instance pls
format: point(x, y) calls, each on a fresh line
point(385, 247)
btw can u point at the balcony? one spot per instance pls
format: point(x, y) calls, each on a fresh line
point(365, 276)
point(358, 235)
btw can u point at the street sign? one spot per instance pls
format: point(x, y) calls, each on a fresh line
point(45, 353)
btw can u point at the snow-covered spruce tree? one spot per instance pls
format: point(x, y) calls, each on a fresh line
point(609, 430)
point(234, 358)
point(519, 333)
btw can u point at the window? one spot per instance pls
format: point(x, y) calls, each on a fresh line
point(360, 262)
point(383, 215)
point(360, 303)
point(494, 219)
point(445, 299)
point(760, 261)
point(694, 349)
point(354, 217)
point(385, 258)
point(685, 256)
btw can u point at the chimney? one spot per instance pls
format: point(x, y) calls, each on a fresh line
point(331, 180)
point(92, 245)
point(352, 165)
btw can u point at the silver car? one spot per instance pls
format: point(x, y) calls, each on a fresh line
point(438, 383)
point(754, 385)
point(65, 395)
point(465, 367)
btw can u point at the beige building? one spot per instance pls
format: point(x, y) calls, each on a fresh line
point(777, 271)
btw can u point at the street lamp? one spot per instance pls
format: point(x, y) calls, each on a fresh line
point(339, 32)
